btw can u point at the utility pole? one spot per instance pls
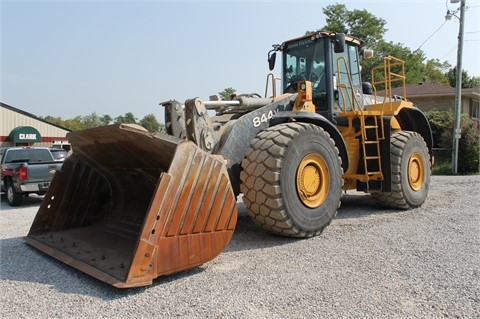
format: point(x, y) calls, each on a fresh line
point(458, 90)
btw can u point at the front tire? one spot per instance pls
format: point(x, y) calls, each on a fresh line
point(292, 179)
point(411, 172)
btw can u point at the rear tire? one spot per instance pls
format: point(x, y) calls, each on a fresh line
point(13, 197)
point(411, 172)
point(292, 179)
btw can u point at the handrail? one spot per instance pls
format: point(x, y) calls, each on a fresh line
point(388, 78)
point(356, 105)
point(274, 85)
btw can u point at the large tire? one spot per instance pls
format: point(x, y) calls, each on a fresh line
point(411, 172)
point(13, 197)
point(292, 179)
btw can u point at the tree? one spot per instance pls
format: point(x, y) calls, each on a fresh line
point(128, 118)
point(106, 119)
point(467, 81)
point(91, 121)
point(370, 29)
point(434, 71)
point(226, 94)
point(150, 123)
point(365, 26)
point(54, 120)
point(413, 61)
point(358, 23)
point(75, 124)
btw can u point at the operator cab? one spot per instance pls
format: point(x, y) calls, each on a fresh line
point(327, 60)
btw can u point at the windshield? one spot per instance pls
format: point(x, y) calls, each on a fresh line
point(304, 60)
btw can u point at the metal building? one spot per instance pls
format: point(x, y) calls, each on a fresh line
point(20, 128)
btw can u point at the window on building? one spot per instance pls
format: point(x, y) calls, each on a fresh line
point(473, 112)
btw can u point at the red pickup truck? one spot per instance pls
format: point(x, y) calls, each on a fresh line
point(26, 170)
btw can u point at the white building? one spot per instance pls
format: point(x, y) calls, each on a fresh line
point(20, 128)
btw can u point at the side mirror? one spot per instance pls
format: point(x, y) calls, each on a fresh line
point(368, 54)
point(272, 55)
point(339, 43)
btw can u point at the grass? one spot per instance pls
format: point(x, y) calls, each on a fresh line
point(442, 168)
point(443, 163)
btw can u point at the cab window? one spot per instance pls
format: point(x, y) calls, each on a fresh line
point(347, 85)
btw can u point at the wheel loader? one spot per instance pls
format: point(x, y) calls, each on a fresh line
point(129, 206)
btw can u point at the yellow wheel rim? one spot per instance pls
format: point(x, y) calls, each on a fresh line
point(313, 180)
point(416, 171)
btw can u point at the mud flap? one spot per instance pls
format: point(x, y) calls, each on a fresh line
point(129, 206)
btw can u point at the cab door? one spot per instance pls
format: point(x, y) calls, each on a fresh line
point(347, 83)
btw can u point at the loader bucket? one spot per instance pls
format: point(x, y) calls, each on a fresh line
point(129, 206)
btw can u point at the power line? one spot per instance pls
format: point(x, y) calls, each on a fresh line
point(431, 35)
point(448, 52)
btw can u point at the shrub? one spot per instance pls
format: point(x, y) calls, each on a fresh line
point(468, 146)
point(442, 124)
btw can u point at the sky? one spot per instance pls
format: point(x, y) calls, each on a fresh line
point(70, 58)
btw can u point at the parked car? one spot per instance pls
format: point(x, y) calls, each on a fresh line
point(59, 154)
point(26, 170)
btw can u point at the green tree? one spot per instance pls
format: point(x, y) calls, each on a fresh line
point(75, 124)
point(91, 121)
point(226, 94)
point(358, 23)
point(413, 61)
point(128, 118)
point(150, 123)
point(54, 120)
point(365, 26)
point(434, 71)
point(467, 81)
point(106, 119)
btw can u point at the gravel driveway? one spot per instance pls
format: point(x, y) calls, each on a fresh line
point(369, 263)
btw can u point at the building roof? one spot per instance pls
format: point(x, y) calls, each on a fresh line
point(431, 89)
point(14, 109)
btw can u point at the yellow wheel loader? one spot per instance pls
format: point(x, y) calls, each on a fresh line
point(129, 206)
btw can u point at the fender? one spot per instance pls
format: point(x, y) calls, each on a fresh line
point(413, 119)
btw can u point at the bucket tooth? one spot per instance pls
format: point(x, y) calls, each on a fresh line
point(129, 206)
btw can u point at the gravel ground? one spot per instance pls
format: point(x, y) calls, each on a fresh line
point(369, 263)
